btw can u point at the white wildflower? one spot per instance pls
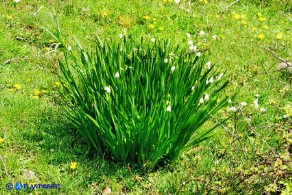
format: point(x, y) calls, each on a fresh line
point(168, 109)
point(121, 36)
point(232, 109)
point(16, 1)
point(206, 98)
point(285, 116)
point(153, 40)
point(243, 103)
point(201, 100)
point(263, 110)
point(188, 35)
point(257, 95)
point(193, 87)
point(107, 89)
point(211, 80)
point(117, 75)
point(229, 101)
point(214, 37)
point(190, 42)
point(176, 1)
point(208, 64)
point(256, 103)
point(199, 54)
point(172, 68)
point(202, 32)
point(69, 48)
point(193, 47)
point(204, 40)
point(220, 76)
point(165, 60)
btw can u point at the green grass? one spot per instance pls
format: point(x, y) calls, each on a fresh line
point(247, 155)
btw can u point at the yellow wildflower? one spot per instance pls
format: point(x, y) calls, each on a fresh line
point(57, 83)
point(151, 26)
point(262, 19)
point(236, 16)
point(28, 80)
point(160, 28)
point(243, 22)
point(73, 165)
point(242, 16)
point(265, 26)
point(35, 97)
point(1, 140)
point(44, 91)
point(11, 90)
point(280, 36)
point(261, 36)
point(37, 92)
point(17, 86)
point(260, 15)
point(146, 17)
point(217, 16)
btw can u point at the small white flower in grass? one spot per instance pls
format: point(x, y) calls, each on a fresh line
point(193, 48)
point(188, 35)
point(16, 1)
point(153, 40)
point(107, 89)
point(263, 110)
point(172, 68)
point(229, 101)
point(206, 98)
point(220, 76)
point(211, 80)
point(257, 95)
point(69, 48)
point(190, 42)
point(208, 64)
point(193, 87)
point(285, 116)
point(202, 32)
point(214, 37)
point(204, 40)
point(121, 36)
point(199, 54)
point(256, 103)
point(201, 100)
point(117, 75)
point(176, 1)
point(168, 108)
point(232, 109)
point(165, 60)
point(243, 103)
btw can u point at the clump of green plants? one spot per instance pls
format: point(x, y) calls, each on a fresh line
point(142, 102)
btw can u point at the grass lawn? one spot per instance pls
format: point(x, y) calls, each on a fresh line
point(249, 154)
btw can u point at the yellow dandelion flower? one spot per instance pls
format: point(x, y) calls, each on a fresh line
point(73, 165)
point(17, 86)
point(57, 83)
point(236, 16)
point(37, 92)
point(280, 36)
point(261, 36)
point(169, 1)
point(1, 140)
point(260, 14)
point(242, 16)
point(160, 28)
point(217, 16)
point(262, 19)
point(36, 97)
point(146, 17)
point(265, 26)
point(254, 28)
point(44, 91)
point(151, 26)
